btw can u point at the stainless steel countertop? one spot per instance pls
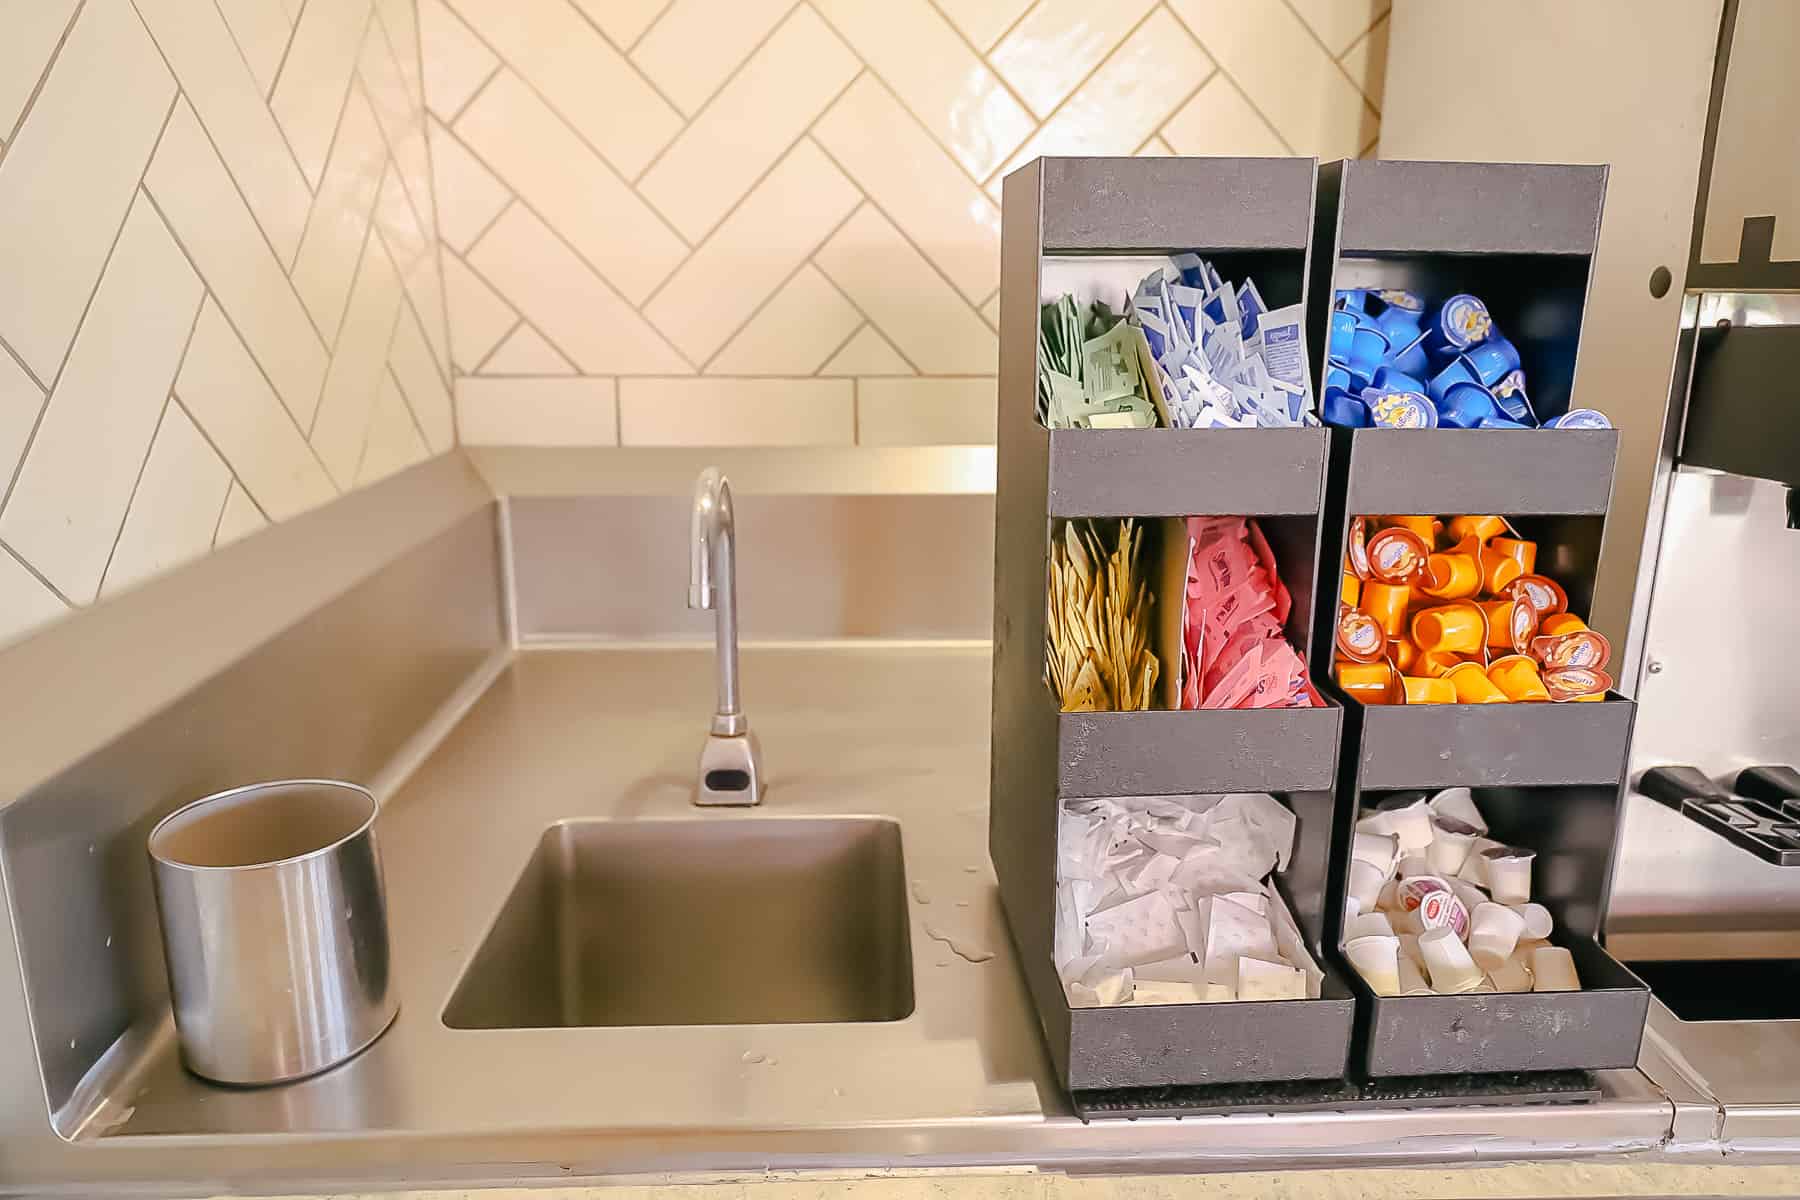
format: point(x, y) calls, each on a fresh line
point(891, 730)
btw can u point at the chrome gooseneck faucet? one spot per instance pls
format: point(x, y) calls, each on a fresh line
point(731, 761)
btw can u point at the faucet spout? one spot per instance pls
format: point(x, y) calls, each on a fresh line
point(730, 763)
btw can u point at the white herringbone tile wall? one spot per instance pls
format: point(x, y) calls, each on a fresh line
point(705, 222)
point(220, 298)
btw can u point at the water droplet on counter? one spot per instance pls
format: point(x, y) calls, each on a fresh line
point(919, 894)
point(972, 870)
point(752, 1058)
point(967, 951)
point(109, 941)
point(962, 904)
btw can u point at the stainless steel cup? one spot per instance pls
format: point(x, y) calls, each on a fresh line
point(274, 926)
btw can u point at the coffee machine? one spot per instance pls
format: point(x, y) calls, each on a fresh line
point(1704, 895)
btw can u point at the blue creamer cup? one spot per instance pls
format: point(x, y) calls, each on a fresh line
point(1461, 322)
point(1580, 418)
point(1343, 329)
point(1400, 410)
point(1368, 350)
point(1336, 376)
point(1493, 359)
point(1343, 409)
point(1400, 326)
point(1412, 302)
point(1354, 300)
point(1510, 392)
point(1453, 372)
point(1499, 423)
point(1389, 379)
point(1411, 359)
point(1465, 405)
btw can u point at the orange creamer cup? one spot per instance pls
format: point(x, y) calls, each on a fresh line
point(1473, 686)
point(1518, 548)
point(1427, 527)
point(1352, 589)
point(1387, 603)
point(1480, 528)
point(1368, 682)
point(1458, 628)
point(1517, 676)
point(1406, 653)
point(1433, 663)
point(1498, 569)
point(1558, 623)
point(1452, 575)
point(1427, 691)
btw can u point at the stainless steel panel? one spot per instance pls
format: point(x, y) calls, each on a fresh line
point(810, 566)
point(1160, 204)
point(1752, 170)
point(1718, 692)
point(274, 928)
point(766, 922)
point(338, 694)
point(1469, 208)
point(963, 1081)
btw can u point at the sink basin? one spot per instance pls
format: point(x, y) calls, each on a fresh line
point(718, 921)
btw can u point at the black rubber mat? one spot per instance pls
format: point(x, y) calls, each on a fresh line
point(1428, 1091)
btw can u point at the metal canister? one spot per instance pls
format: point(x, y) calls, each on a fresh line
point(274, 926)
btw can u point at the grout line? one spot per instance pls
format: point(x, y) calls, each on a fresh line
point(749, 191)
point(387, 146)
point(1336, 61)
point(1220, 68)
point(1177, 110)
point(689, 119)
point(837, 349)
point(489, 356)
point(137, 482)
point(578, 256)
point(23, 365)
point(744, 61)
point(39, 576)
point(219, 521)
point(245, 58)
point(362, 251)
point(904, 235)
point(87, 307)
point(644, 76)
point(181, 95)
point(411, 412)
point(231, 323)
point(626, 182)
point(999, 171)
point(531, 325)
point(446, 371)
point(494, 220)
point(293, 35)
point(475, 95)
point(44, 77)
point(639, 39)
point(981, 56)
point(805, 261)
point(1368, 150)
point(1367, 34)
point(926, 125)
point(230, 467)
point(331, 150)
point(1008, 32)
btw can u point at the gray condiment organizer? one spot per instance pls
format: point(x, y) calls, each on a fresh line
point(1546, 775)
point(1251, 216)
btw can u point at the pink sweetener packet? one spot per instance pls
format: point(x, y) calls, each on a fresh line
point(1237, 684)
point(1259, 545)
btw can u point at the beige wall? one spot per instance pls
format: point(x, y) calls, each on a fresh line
point(761, 221)
point(1623, 82)
point(219, 295)
point(1756, 160)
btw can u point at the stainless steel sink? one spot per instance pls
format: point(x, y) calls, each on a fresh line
point(717, 921)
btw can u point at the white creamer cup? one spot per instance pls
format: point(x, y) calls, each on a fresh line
point(1538, 922)
point(1509, 873)
point(1368, 925)
point(1553, 970)
point(1450, 845)
point(1413, 865)
point(1493, 934)
point(1365, 882)
point(1511, 976)
point(1380, 850)
point(1459, 802)
point(1377, 959)
point(1448, 963)
point(1412, 978)
point(1412, 825)
point(1474, 868)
